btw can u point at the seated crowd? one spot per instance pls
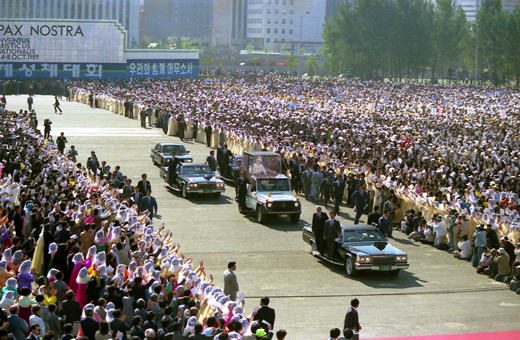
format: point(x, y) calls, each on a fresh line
point(81, 260)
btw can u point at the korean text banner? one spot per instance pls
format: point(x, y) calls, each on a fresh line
point(84, 49)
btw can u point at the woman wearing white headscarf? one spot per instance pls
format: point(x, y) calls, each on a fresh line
point(82, 280)
point(78, 263)
point(10, 285)
point(4, 273)
point(53, 248)
point(25, 275)
point(7, 301)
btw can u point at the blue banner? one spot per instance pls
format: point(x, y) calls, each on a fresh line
point(133, 68)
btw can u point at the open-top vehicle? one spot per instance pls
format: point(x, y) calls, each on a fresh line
point(269, 191)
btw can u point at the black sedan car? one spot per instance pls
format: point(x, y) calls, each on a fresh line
point(194, 178)
point(162, 153)
point(233, 169)
point(362, 247)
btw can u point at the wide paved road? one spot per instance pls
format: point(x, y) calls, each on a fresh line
point(437, 295)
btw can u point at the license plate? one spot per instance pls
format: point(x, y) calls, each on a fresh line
point(284, 215)
point(384, 268)
point(207, 191)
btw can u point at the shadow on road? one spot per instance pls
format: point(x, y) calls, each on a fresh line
point(375, 279)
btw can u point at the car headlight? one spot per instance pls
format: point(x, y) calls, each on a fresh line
point(193, 185)
point(296, 204)
point(189, 160)
point(220, 185)
point(401, 258)
point(269, 205)
point(364, 259)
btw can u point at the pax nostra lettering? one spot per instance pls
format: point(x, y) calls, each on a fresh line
point(42, 30)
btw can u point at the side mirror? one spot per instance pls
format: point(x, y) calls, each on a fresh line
point(188, 151)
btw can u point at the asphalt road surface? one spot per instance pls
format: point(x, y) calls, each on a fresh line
point(437, 295)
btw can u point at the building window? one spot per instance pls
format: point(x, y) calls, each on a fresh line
point(276, 2)
point(276, 31)
point(284, 12)
point(268, 21)
point(267, 40)
point(276, 11)
point(292, 2)
point(290, 31)
point(291, 21)
point(291, 12)
point(283, 22)
point(283, 30)
point(284, 2)
point(269, 11)
point(268, 30)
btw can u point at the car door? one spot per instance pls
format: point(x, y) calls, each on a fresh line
point(156, 151)
point(251, 198)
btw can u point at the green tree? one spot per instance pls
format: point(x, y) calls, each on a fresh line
point(145, 42)
point(284, 49)
point(311, 65)
point(292, 61)
point(249, 48)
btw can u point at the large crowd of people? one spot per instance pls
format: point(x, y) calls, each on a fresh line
point(438, 162)
point(83, 259)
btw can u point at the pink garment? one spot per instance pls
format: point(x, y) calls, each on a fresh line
point(81, 295)
point(230, 316)
point(88, 263)
point(73, 285)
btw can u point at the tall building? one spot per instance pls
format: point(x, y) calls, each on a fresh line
point(230, 23)
point(125, 12)
point(471, 7)
point(179, 19)
point(158, 15)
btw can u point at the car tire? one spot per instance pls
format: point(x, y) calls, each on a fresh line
point(184, 191)
point(295, 218)
point(217, 195)
point(260, 216)
point(350, 267)
point(395, 272)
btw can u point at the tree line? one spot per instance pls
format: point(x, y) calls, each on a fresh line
point(414, 39)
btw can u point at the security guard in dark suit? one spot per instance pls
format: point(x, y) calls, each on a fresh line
point(211, 161)
point(172, 168)
point(241, 190)
point(332, 232)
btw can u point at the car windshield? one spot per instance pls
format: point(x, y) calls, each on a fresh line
point(180, 150)
point(236, 160)
point(363, 236)
point(196, 170)
point(273, 185)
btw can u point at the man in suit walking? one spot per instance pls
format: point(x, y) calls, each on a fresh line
point(332, 232)
point(241, 191)
point(384, 222)
point(61, 141)
point(307, 181)
point(338, 188)
point(128, 189)
point(374, 216)
point(352, 318)
point(173, 165)
point(360, 199)
point(220, 154)
point(318, 226)
point(265, 313)
point(136, 197)
point(390, 206)
point(209, 131)
point(325, 187)
point(149, 203)
point(230, 281)
point(143, 184)
point(211, 161)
